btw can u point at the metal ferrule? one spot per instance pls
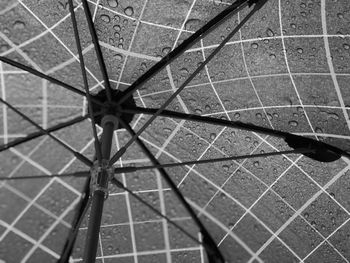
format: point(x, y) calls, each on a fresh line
point(101, 174)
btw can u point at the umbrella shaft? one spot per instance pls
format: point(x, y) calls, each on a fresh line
point(106, 142)
point(94, 227)
point(99, 195)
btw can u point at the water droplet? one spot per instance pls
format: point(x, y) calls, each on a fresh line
point(237, 115)
point(198, 111)
point(19, 25)
point(318, 130)
point(192, 24)
point(346, 46)
point(62, 6)
point(225, 167)
point(269, 32)
point(306, 215)
point(184, 71)
point(258, 115)
point(166, 50)
point(118, 57)
point(300, 50)
point(254, 45)
point(294, 26)
point(143, 65)
point(340, 15)
point(332, 195)
point(105, 18)
point(212, 136)
point(116, 18)
point(333, 116)
point(189, 135)
point(129, 11)
point(117, 28)
point(112, 3)
point(256, 163)
point(272, 56)
point(293, 123)
point(207, 107)
point(313, 223)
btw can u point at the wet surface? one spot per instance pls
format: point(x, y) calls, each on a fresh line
point(279, 71)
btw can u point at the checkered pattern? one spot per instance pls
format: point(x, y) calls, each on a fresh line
point(287, 69)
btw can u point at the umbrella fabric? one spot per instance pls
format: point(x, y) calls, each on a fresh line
point(286, 69)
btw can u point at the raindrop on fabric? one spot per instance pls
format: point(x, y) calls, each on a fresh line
point(129, 11)
point(105, 18)
point(112, 3)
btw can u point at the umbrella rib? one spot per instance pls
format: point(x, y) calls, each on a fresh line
point(209, 243)
point(15, 178)
point(187, 81)
point(207, 120)
point(37, 134)
point(98, 51)
point(225, 123)
point(120, 185)
point(86, 85)
point(79, 216)
point(214, 160)
point(200, 33)
point(44, 76)
point(78, 155)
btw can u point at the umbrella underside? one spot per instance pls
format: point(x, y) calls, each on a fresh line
point(287, 69)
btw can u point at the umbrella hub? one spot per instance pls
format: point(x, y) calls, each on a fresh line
point(111, 108)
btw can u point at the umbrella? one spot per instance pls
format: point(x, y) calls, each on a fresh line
point(174, 131)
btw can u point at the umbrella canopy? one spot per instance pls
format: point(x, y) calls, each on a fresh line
point(222, 127)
